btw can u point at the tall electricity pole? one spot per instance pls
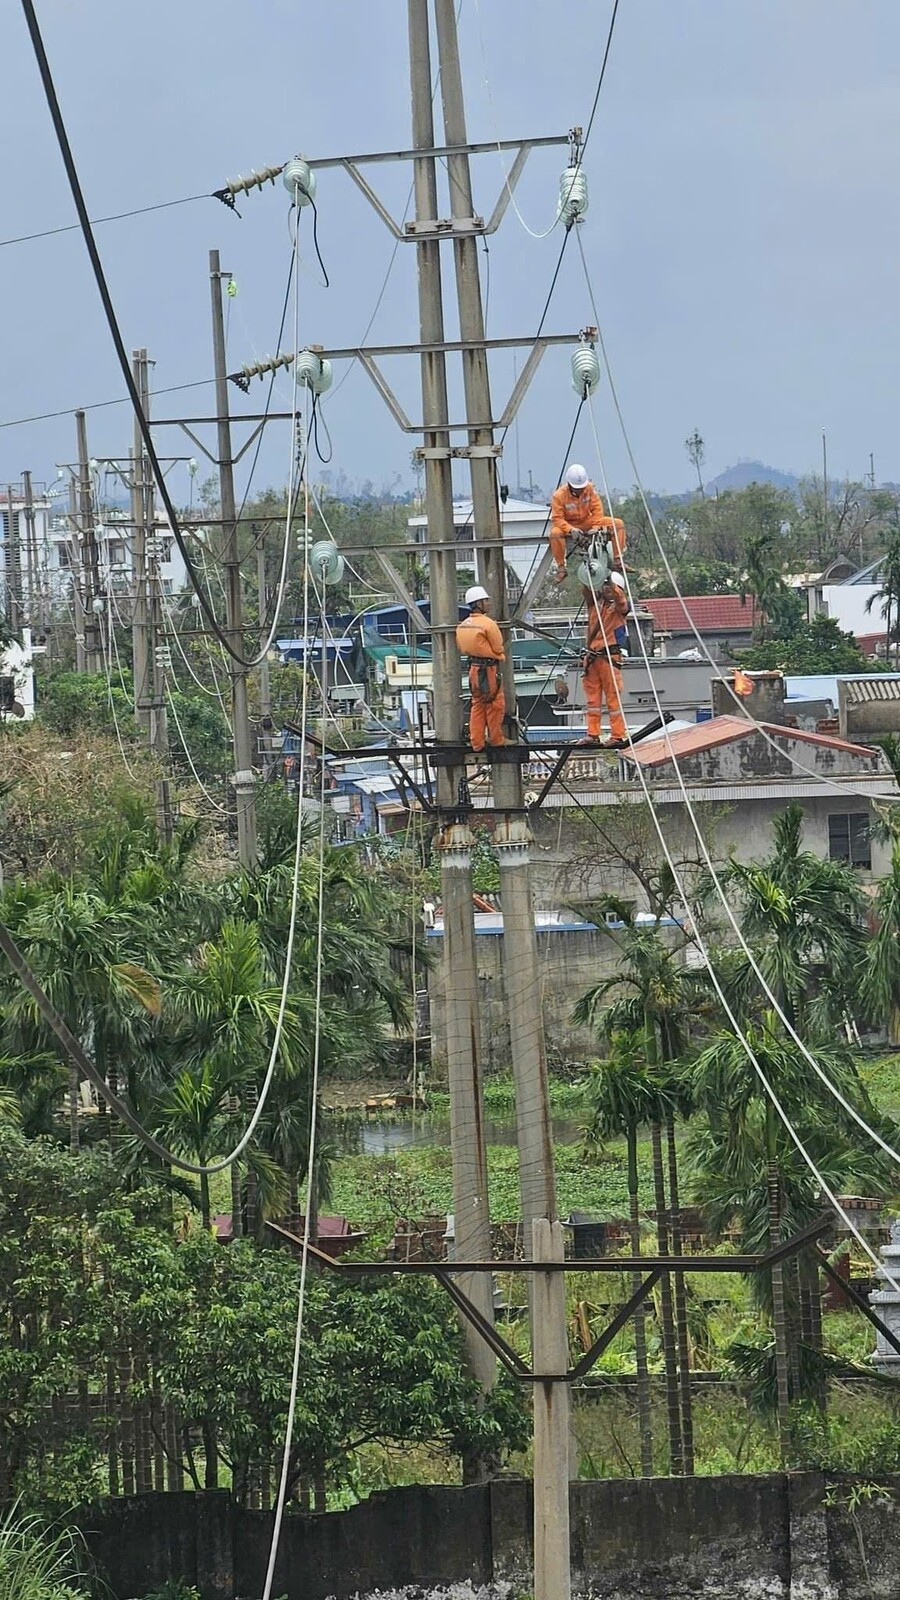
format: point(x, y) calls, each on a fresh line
point(542, 1231)
point(463, 1028)
point(244, 780)
point(75, 569)
point(90, 575)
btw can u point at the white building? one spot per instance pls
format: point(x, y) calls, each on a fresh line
point(45, 570)
point(17, 679)
point(521, 521)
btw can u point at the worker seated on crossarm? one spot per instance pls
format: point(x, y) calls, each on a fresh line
point(480, 643)
point(577, 512)
point(602, 669)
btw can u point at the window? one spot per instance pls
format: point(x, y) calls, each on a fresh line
point(848, 838)
point(65, 556)
point(116, 553)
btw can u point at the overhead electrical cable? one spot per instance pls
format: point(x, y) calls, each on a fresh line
point(818, 777)
point(312, 1145)
point(739, 1032)
point(715, 880)
point(88, 1069)
point(96, 222)
point(115, 333)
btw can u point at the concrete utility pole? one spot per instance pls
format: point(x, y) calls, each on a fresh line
point(36, 592)
point(75, 569)
point(140, 624)
point(463, 1029)
point(244, 779)
point(90, 575)
point(13, 565)
point(537, 1181)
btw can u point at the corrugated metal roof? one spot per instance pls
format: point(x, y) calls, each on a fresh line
point(878, 686)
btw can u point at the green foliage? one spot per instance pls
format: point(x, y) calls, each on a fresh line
point(38, 1562)
point(85, 1272)
point(808, 647)
point(74, 702)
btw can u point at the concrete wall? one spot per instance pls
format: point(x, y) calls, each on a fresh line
point(867, 719)
point(792, 1536)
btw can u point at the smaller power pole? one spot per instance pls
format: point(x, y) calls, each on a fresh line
point(75, 569)
point(36, 594)
point(265, 686)
point(89, 564)
point(244, 780)
point(13, 564)
point(140, 645)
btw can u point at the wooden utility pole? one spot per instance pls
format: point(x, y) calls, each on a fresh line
point(140, 621)
point(90, 575)
point(244, 779)
point(463, 1027)
point(537, 1181)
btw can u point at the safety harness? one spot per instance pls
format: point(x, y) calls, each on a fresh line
point(482, 663)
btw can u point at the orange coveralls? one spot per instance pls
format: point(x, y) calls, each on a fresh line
point(583, 512)
point(602, 681)
point(479, 638)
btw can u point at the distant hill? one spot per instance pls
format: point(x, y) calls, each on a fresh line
point(746, 472)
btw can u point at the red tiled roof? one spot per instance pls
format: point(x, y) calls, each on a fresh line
point(708, 612)
point(725, 730)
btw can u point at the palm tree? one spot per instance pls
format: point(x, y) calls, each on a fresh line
point(882, 971)
point(888, 593)
point(746, 1165)
point(803, 918)
point(656, 1012)
point(622, 1098)
point(88, 959)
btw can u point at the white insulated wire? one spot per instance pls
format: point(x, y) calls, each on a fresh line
point(828, 783)
point(310, 1179)
point(701, 945)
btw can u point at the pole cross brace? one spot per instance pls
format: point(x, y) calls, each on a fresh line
point(458, 452)
point(444, 227)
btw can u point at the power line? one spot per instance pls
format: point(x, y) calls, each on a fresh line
point(96, 222)
point(828, 783)
point(99, 405)
point(739, 1032)
point(714, 877)
point(112, 323)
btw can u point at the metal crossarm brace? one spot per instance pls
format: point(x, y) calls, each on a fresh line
point(501, 1348)
point(622, 1316)
point(858, 1300)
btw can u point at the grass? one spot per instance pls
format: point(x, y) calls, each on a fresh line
point(881, 1076)
point(36, 1562)
point(418, 1182)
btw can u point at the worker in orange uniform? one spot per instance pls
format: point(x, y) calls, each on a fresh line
point(577, 510)
point(602, 673)
point(480, 642)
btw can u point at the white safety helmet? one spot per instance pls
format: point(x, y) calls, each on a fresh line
point(617, 579)
point(476, 593)
point(576, 476)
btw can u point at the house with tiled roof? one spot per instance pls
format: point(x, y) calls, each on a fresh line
point(725, 622)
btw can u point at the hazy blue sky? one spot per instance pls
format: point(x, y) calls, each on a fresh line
point(743, 235)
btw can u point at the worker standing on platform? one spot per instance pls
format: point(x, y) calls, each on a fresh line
point(577, 512)
point(602, 672)
point(481, 643)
